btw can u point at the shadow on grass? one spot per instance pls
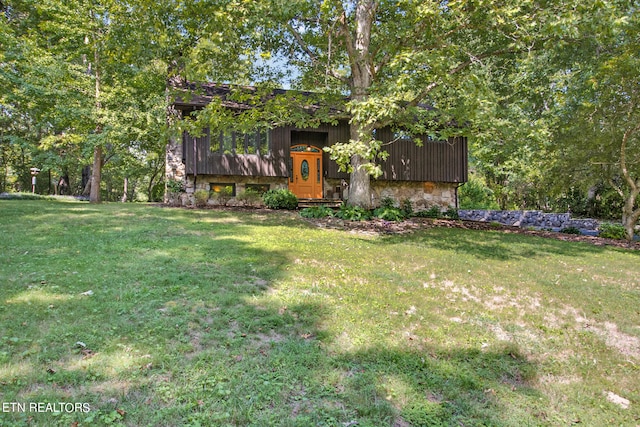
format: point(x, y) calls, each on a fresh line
point(184, 327)
point(496, 245)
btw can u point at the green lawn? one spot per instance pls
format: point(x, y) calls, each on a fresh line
point(170, 317)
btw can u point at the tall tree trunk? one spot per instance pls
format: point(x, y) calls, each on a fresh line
point(361, 79)
point(86, 180)
point(96, 175)
point(152, 180)
point(125, 190)
point(629, 215)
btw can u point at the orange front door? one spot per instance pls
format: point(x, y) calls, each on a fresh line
point(306, 173)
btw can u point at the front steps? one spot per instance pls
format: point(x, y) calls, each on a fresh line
point(307, 203)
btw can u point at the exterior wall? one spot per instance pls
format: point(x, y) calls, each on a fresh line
point(423, 195)
point(203, 182)
point(434, 161)
point(426, 175)
point(175, 169)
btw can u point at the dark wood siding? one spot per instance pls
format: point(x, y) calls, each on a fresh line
point(435, 161)
point(208, 162)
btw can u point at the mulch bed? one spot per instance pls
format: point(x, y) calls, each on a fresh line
point(381, 227)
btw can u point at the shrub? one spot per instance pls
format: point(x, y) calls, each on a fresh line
point(387, 202)
point(175, 186)
point(571, 230)
point(476, 195)
point(612, 231)
point(157, 192)
point(316, 212)
point(201, 197)
point(280, 199)
point(432, 212)
point(407, 207)
point(249, 196)
point(353, 213)
point(451, 213)
point(389, 214)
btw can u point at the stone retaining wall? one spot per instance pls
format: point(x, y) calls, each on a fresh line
point(536, 219)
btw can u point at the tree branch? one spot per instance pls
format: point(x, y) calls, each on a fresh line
point(303, 45)
point(312, 56)
point(472, 60)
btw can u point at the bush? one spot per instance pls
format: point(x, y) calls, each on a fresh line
point(201, 197)
point(316, 212)
point(451, 213)
point(476, 195)
point(175, 186)
point(612, 231)
point(353, 213)
point(389, 214)
point(280, 199)
point(432, 212)
point(407, 208)
point(387, 202)
point(157, 192)
point(571, 230)
point(249, 196)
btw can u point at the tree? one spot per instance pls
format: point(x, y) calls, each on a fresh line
point(423, 67)
point(598, 105)
point(81, 85)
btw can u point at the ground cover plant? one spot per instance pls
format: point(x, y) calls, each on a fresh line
point(166, 317)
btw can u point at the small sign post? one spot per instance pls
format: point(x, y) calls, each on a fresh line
point(34, 173)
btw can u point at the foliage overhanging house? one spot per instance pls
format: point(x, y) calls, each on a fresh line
point(293, 158)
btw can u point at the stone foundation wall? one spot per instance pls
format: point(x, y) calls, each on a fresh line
point(423, 195)
point(536, 219)
point(204, 183)
point(175, 170)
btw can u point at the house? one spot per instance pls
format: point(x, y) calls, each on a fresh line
point(293, 158)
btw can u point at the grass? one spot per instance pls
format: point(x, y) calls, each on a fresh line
point(168, 317)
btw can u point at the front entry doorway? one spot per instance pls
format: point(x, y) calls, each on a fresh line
point(305, 180)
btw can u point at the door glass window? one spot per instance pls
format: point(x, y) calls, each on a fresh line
point(290, 169)
point(304, 170)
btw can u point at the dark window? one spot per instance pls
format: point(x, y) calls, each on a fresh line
point(304, 148)
point(216, 143)
point(264, 141)
point(250, 143)
point(401, 135)
point(304, 170)
point(254, 142)
point(227, 142)
point(258, 188)
point(290, 169)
